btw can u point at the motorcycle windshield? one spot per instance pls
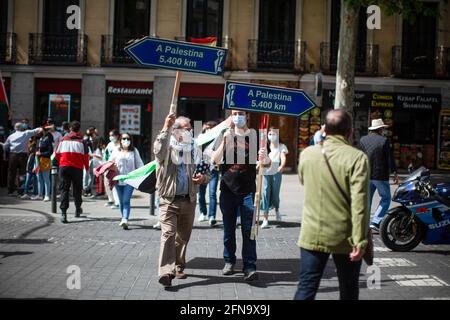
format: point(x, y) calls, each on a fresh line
point(416, 174)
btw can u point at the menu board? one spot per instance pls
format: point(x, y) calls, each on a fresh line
point(59, 108)
point(130, 119)
point(309, 124)
point(444, 140)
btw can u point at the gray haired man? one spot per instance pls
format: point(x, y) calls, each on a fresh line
point(177, 156)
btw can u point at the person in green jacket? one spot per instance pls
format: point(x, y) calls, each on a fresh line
point(331, 223)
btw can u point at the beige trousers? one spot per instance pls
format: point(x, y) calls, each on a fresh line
point(177, 219)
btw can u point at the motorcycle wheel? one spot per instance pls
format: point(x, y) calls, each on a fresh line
point(396, 237)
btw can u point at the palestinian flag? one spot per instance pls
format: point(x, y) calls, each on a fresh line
point(212, 134)
point(143, 179)
point(4, 96)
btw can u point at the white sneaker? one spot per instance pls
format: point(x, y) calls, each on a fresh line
point(265, 224)
point(114, 206)
point(277, 215)
point(157, 226)
point(37, 197)
point(124, 224)
point(202, 218)
point(108, 204)
point(25, 197)
point(46, 199)
point(238, 221)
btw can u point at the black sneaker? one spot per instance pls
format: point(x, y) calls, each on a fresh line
point(166, 280)
point(251, 275)
point(228, 269)
point(64, 217)
point(78, 212)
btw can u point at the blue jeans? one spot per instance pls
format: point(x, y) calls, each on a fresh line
point(312, 265)
point(384, 190)
point(44, 180)
point(124, 192)
point(212, 195)
point(30, 185)
point(270, 193)
point(230, 204)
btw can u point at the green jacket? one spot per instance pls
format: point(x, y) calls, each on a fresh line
point(329, 224)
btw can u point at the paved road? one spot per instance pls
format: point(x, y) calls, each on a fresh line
point(36, 251)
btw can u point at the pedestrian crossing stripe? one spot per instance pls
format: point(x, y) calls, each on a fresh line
point(418, 280)
point(380, 249)
point(393, 262)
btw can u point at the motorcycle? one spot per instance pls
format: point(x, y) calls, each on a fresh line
point(423, 214)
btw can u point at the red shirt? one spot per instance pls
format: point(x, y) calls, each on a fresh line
point(72, 151)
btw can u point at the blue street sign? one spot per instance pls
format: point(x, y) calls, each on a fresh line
point(266, 99)
point(176, 55)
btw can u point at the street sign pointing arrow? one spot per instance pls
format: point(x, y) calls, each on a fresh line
point(177, 55)
point(266, 99)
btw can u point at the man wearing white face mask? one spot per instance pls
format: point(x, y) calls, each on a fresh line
point(113, 145)
point(236, 153)
point(177, 157)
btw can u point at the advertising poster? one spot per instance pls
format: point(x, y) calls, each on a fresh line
point(130, 119)
point(59, 108)
point(444, 140)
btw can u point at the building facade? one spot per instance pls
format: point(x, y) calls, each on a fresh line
point(403, 70)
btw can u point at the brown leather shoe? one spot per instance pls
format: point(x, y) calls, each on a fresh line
point(180, 275)
point(166, 280)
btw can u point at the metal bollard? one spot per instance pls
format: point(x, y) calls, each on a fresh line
point(54, 182)
point(152, 204)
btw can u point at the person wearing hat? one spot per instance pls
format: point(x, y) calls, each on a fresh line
point(382, 163)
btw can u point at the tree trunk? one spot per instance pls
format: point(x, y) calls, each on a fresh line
point(345, 74)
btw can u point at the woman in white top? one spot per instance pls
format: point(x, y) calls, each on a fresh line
point(127, 159)
point(270, 193)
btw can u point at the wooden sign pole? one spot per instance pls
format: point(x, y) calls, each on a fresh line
point(176, 88)
point(262, 143)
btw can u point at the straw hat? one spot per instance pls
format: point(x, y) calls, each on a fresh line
point(377, 124)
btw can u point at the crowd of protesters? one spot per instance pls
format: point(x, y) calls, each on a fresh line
point(184, 172)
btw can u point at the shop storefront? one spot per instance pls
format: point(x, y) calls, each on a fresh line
point(59, 99)
point(129, 109)
point(201, 102)
point(4, 110)
point(413, 120)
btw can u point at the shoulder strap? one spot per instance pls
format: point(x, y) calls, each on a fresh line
point(344, 195)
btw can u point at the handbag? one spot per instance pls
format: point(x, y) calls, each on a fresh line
point(45, 164)
point(368, 253)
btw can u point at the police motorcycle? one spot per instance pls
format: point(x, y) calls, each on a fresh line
point(423, 214)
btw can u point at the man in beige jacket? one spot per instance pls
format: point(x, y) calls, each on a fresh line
point(177, 156)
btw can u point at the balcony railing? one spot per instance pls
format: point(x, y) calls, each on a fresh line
point(366, 58)
point(113, 53)
point(281, 56)
point(58, 49)
point(428, 63)
point(8, 48)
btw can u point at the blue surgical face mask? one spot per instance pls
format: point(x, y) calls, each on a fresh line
point(239, 120)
